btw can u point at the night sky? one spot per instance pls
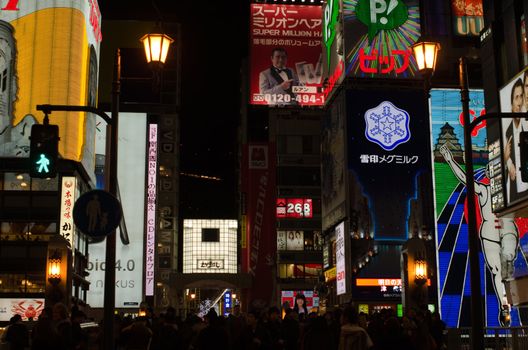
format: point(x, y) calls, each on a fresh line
point(215, 40)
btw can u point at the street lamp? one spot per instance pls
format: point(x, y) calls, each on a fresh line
point(156, 47)
point(420, 271)
point(426, 60)
point(54, 268)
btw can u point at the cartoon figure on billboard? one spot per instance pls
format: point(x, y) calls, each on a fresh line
point(278, 79)
point(499, 236)
point(14, 140)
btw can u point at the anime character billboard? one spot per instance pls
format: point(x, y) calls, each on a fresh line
point(501, 256)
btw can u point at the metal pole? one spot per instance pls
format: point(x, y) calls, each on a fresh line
point(473, 239)
point(109, 286)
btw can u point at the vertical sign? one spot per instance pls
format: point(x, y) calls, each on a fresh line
point(151, 209)
point(227, 302)
point(66, 227)
point(340, 257)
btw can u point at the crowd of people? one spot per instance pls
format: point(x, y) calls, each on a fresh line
point(259, 329)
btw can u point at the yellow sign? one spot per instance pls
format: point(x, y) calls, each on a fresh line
point(49, 52)
point(330, 274)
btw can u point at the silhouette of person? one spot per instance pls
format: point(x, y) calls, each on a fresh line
point(93, 211)
point(499, 237)
point(43, 163)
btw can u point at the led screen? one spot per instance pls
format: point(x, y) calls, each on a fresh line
point(497, 256)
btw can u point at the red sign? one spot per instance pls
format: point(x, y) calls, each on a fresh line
point(468, 17)
point(294, 208)
point(286, 55)
point(258, 182)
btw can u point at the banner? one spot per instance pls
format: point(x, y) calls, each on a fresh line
point(50, 55)
point(286, 60)
point(378, 37)
point(389, 162)
point(27, 308)
point(259, 186)
point(500, 254)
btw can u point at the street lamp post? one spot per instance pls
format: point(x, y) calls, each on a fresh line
point(156, 50)
point(111, 181)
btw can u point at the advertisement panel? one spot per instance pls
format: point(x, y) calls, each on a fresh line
point(514, 99)
point(288, 296)
point(286, 60)
point(152, 192)
point(333, 150)
point(210, 246)
point(386, 136)
point(129, 257)
point(259, 170)
point(468, 17)
point(500, 253)
point(294, 208)
point(378, 37)
point(28, 308)
point(340, 259)
point(333, 47)
point(49, 54)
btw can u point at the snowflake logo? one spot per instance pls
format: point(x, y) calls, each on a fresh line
point(387, 125)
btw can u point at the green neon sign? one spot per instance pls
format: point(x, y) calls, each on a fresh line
point(381, 15)
point(331, 12)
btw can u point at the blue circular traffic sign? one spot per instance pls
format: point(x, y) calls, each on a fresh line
point(97, 213)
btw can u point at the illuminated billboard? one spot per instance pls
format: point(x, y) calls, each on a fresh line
point(333, 47)
point(311, 298)
point(388, 162)
point(378, 36)
point(294, 208)
point(210, 246)
point(27, 308)
point(129, 257)
point(500, 252)
point(286, 60)
point(468, 17)
point(340, 259)
point(49, 54)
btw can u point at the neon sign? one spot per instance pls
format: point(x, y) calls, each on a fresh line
point(294, 208)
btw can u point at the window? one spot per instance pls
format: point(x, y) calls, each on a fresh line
point(300, 270)
point(210, 235)
point(299, 240)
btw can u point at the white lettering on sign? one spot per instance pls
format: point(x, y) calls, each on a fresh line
point(340, 259)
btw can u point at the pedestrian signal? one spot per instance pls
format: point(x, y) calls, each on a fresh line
point(43, 151)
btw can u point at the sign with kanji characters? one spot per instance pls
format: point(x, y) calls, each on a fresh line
point(151, 208)
point(286, 57)
point(378, 37)
point(68, 197)
point(389, 162)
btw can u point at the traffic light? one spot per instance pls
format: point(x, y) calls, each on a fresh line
point(43, 151)
point(523, 147)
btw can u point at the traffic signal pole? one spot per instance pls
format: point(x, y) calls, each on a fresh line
point(111, 183)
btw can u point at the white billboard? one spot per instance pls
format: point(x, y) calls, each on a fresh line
point(210, 246)
point(340, 259)
point(131, 176)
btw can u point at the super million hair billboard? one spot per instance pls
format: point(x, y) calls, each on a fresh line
point(49, 53)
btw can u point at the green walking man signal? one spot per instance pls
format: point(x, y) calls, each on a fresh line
point(43, 151)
